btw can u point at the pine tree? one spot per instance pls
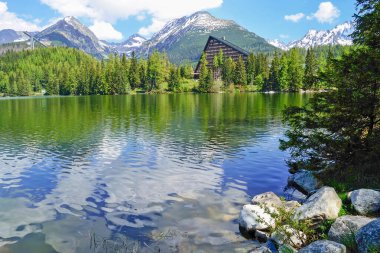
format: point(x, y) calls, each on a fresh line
point(228, 71)
point(155, 73)
point(311, 70)
point(295, 70)
point(274, 76)
point(240, 72)
point(204, 74)
point(340, 129)
point(143, 74)
point(251, 65)
point(284, 78)
point(134, 79)
point(4, 82)
point(174, 79)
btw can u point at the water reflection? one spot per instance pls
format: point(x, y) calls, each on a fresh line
point(136, 167)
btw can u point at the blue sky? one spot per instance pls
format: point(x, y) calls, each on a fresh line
point(115, 20)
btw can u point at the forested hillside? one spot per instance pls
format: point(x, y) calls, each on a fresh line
point(67, 71)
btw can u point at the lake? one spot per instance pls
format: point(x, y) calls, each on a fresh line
point(139, 173)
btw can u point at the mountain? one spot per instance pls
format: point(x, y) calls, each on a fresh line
point(71, 32)
point(279, 44)
point(184, 38)
point(10, 36)
point(340, 35)
point(133, 43)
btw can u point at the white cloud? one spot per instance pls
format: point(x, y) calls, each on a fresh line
point(156, 25)
point(111, 11)
point(295, 18)
point(9, 20)
point(326, 13)
point(105, 31)
point(284, 36)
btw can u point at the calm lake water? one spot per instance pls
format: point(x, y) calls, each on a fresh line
point(136, 173)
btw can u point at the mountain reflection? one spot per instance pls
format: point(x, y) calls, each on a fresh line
point(133, 166)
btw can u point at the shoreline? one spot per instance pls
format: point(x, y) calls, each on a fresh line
point(41, 95)
point(324, 220)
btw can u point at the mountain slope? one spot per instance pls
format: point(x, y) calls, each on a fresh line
point(184, 38)
point(71, 33)
point(340, 35)
point(10, 36)
point(279, 44)
point(133, 43)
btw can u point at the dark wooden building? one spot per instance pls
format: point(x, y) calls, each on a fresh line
point(213, 47)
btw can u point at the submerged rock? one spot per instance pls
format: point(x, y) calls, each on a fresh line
point(305, 181)
point(268, 199)
point(254, 217)
point(324, 246)
point(322, 205)
point(345, 227)
point(365, 201)
point(368, 237)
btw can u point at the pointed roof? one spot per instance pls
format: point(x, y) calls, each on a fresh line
point(227, 43)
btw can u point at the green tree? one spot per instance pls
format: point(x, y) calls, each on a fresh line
point(4, 82)
point(259, 82)
point(155, 70)
point(204, 75)
point(251, 66)
point(228, 71)
point(187, 71)
point(240, 72)
point(134, 79)
point(341, 128)
point(284, 78)
point(295, 70)
point(274, 76)
point(310, 79)
point(174, 79)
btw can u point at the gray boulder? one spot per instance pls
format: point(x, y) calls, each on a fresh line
point(261, 235)
point(322, 205)
point(254, 217)
point(368, 237)
point(365, 201)
point(268, 199)
point(292, 193)
point(346, 226)
point(324, 246)
point(305, 181)
point(291, 206)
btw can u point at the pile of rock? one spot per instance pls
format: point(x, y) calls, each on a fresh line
point(259, 218)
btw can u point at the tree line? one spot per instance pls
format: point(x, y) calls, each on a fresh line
point(287, 71)
point(338, 132)
point(67, 71)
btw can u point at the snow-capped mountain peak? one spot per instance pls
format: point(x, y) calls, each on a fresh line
point(133, 43)
point(340, 35)
point(201, 21)
point(278, 44)
point(135, 40)
point(70, 32)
